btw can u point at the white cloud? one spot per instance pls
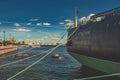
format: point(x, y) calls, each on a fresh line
point(28, 24)
point(34, 19)
point(68, 20)
point(39, 31)
point(46, 24)
point(21, 30)
point(0, 23)
point(39, 24)
point(61, 22)
point(17, 24)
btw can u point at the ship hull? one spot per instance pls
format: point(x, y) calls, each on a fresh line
point(98, 64)
point(97, 45)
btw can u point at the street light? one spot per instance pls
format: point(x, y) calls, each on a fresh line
point(4, 38)
point(9, 36)
point(4, 35)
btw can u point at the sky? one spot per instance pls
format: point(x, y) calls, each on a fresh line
point(45, 20)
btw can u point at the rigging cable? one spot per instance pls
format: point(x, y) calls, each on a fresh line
point(22, 59)
point(34, 62)
point(39, 59)
point(28, 57)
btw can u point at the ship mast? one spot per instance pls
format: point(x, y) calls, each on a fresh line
point(76, 18)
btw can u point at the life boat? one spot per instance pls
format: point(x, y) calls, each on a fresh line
point(25, 55)
point(55, 55)
point(22, 55)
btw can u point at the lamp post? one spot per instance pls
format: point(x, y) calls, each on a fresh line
point(4, 38)
point(9, 37)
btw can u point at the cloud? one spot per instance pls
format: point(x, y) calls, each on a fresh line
point(21, 30)
point(61, 22)
point(68, 20)
point(46, 24)
point(34, 19)
point(28, 24)
point(39, 24)
point(39, 31)
point(17, 24)
point(0, 23)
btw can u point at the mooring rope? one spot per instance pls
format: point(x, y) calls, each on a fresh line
point(40, 58)
point(23, 59)
point(32, 64)
point(73, 32)
point(28, 57)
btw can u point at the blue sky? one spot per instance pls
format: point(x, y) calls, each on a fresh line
point(45, 20)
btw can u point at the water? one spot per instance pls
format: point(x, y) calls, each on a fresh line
point(48, 69)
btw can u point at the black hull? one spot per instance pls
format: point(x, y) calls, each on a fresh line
point(99, 39)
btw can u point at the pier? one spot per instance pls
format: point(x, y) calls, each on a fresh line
point(8, 49)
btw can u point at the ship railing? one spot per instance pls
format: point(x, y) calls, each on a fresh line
point(115, 10)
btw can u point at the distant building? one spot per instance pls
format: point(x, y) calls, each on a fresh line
point(12, 40)
point(33, 43)
point(50, 43)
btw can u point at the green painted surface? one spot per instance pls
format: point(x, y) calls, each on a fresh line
point(99, 64)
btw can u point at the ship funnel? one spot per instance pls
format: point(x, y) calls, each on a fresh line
point(76, 17)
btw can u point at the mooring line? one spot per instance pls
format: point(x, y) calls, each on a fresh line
point(35, 62)
point(22, 59)
point(73, 32)
point(25, 58)
point(32, 64)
